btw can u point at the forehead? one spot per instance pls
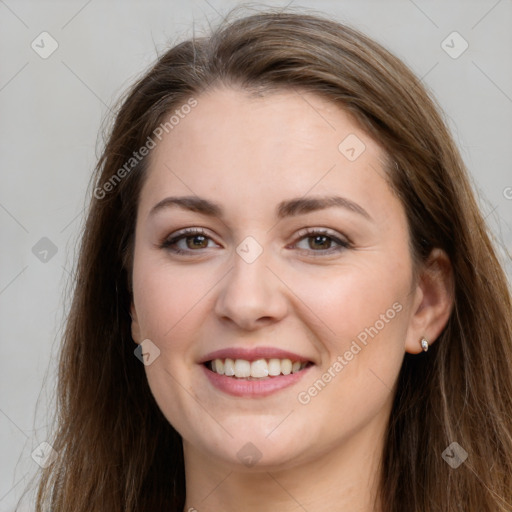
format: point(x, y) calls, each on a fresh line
point(253, 151)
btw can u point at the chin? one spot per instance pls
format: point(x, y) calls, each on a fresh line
point(252, 448)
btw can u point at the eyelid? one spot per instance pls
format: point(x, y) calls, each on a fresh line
point(309, 231)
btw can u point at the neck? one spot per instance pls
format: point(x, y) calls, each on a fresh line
point(344, 478)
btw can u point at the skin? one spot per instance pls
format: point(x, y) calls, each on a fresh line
point(249, 154)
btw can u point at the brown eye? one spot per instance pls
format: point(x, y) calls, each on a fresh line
point(318, 242)
point(197, 242)
point(189, 241)
point(321, 242)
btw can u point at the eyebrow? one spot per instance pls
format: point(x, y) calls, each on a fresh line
point(289, 208)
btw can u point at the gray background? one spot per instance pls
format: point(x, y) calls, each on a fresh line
point(51, 112)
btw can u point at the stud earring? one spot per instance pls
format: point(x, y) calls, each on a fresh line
point(424, 344)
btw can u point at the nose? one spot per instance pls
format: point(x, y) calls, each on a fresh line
point(251, 296)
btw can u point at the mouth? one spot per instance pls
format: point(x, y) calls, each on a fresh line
point(259, 369)
point(254, 372)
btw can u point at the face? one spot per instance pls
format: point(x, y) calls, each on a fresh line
point(268, 241)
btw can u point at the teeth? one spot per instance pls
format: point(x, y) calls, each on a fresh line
point(286, 367)
point(229, 367)
point(261, 368)
point(218, 366)
point(242, 368)
point(274, 367)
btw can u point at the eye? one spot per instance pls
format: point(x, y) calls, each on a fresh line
point(321, 241)
point(188, 240)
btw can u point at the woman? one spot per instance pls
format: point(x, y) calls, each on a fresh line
point(283, 225)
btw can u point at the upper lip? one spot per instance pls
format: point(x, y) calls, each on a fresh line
point(253, 354)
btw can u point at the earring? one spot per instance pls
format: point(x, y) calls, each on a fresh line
point(424, 344)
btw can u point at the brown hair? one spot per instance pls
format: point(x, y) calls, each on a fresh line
point(116, 450)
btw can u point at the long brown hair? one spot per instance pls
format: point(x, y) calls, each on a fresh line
point(116, 450)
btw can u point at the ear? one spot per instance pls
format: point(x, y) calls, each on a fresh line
point(433, 304)
point(136, 334)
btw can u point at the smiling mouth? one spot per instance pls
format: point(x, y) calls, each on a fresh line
point(259, 369)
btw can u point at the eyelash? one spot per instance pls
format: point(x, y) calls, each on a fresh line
point(304, 234)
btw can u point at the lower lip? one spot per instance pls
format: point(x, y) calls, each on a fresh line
point(253, 388)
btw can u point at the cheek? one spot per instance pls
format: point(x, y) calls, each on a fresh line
point(168, 304)
point(355, 297)
point(364, 322)
point(363, 313)
point(166, 297)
